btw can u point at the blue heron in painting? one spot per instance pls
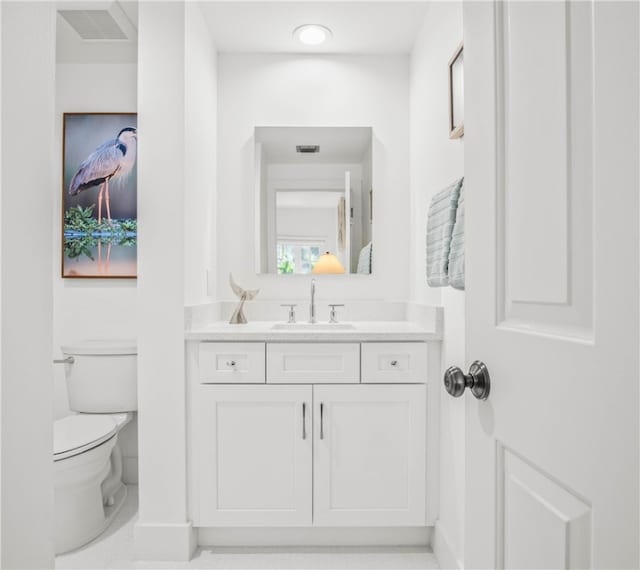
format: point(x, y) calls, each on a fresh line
point(112, 159)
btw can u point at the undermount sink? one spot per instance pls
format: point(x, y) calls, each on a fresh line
point(307, 327)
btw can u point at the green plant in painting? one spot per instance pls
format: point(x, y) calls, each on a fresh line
point(82, 232)
point(80, 219)
point(76, 247)
point(129, 225)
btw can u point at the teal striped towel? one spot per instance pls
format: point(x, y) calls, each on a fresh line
point(440, 222)
point(365, 259)
point(456, 254)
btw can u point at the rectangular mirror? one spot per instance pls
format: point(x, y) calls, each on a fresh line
point(313, 195)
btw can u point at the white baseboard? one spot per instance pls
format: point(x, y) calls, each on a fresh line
point(442, 549)
point(303, 536)
point(164, 542)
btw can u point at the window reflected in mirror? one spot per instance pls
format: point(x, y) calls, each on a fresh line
point(297, 257)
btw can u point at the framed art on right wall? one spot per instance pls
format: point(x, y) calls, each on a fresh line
point(456, 94)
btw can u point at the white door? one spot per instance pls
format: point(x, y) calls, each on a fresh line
point(347, 221)
point(369, 455)
point(551, 182)
point(255, 448)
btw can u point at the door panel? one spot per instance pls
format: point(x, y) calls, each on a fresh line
point(544, 168)
point(543, 525)
point(537, 188)
point(369, 466)
point(255, 455)
point(347, 221)
point(552, 283)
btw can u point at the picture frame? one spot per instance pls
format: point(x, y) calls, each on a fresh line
point(456, 93)
point(99, 196)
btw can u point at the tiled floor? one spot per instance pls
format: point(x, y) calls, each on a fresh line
point(114, 551)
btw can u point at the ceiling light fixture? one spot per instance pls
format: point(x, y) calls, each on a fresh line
point(312, 34)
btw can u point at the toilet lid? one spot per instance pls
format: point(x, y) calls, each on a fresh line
point(74, 434)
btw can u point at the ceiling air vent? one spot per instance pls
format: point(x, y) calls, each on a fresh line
point(94, 24)
point(308, 148)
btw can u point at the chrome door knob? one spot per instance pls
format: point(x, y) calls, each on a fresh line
point(478, 381)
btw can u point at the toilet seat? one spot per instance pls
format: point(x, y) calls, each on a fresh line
point(76, 434)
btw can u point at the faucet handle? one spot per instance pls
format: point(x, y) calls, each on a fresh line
point(292, 311)
point(333, 315)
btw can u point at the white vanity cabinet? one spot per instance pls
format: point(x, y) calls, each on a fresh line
point(305, 448)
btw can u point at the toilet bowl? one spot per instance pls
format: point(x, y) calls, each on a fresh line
point(87, 477)
point(88, 487)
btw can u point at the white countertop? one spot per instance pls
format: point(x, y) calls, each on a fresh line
point(362, 331)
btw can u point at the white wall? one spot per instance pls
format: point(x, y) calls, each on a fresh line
point(174, 51)
point(316, 90)
point(161, 398)
point(200, 151)
point(436, 161)
point(26, 180)
point(88, 308)
point(91, 308)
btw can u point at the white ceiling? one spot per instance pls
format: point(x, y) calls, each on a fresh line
point(358, 27)
point(71, 48)
point(338, 145)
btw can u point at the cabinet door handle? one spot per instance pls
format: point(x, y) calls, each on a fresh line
point(321, 420)
point(304, 420)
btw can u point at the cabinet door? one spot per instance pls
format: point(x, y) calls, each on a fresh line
point(369, 455)
point(255, 453)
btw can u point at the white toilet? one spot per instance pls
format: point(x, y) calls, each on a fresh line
point(88, 490)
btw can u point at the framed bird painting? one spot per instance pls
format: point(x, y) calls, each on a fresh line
point(99, 195)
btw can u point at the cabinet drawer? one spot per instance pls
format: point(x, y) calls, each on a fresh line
point(388, 362)
point(329, 363)
point(231, 362)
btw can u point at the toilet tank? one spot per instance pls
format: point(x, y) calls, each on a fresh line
point(103, 376)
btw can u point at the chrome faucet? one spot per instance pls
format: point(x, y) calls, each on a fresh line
point(312, 305)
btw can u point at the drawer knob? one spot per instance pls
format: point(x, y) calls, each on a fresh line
point(231, 363)
point(394, 363)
